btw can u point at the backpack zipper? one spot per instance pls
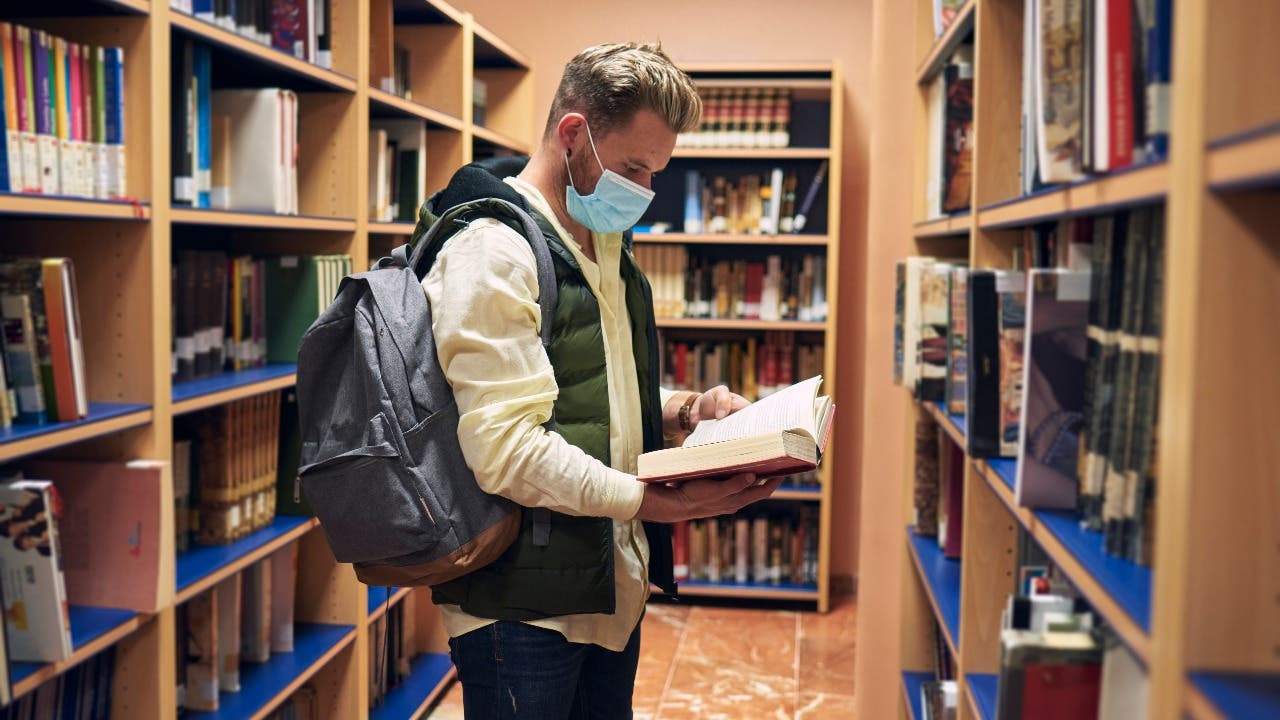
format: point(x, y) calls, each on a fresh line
point(427, 509)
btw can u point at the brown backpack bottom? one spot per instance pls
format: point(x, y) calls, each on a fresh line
point(482, 550)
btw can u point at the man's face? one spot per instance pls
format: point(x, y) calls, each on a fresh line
point(637, 151)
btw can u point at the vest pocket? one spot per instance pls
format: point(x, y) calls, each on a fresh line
point(371, 504)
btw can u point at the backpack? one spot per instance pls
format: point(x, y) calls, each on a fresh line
point(380, 463)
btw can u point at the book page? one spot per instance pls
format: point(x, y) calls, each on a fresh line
point(789, 409)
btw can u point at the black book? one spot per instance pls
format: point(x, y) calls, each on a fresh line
point(982, 383)
point(1137, 530)
point(183, 137)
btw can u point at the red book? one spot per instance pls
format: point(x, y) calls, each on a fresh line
point(754, 291)
point(1120, 88)
point(1060, 692)
point(680, 550)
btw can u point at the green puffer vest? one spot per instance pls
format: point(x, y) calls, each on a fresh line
point(562, 564)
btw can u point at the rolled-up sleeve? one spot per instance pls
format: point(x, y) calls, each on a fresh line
point(483, 291)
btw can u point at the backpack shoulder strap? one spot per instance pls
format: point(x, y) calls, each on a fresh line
point(510, 214)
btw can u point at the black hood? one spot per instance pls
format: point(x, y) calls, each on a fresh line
point(481, 179)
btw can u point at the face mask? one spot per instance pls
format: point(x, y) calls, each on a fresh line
point(616, 204)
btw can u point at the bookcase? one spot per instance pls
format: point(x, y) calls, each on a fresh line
point(813, 145)
point(123, 251)
point(1203, 620)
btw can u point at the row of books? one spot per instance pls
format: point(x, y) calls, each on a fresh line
point(699, 285)
point(243, 619)
point(67, 539)
point(748, 204)
point(1056, 659)
point(749, 367)
point(1096, 87)
point(1058, 366)
point(82, 692)
point(938, 488)
point(762, 548)
point(231, 149)
point(940, 699)
point(237, 312)
point(225, 470)
point(750, 117)
point(301, 28)
point(397, 169)
point(945, 12)
point(392, 640)
point(63, 115)
point(950, 150)
point(43, 369)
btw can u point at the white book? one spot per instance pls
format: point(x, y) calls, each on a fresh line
point(228, 599)
point(409, 136)
point(1102, 78)
point(37, 620)
point(377, 173)
point(257, 148)
point(284, 570)
point(937, 109)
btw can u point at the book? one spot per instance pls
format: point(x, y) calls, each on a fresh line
point(1048, 675)
point(105, 539)
point(781, 434)
point(957, 142)
point(957, 340)
point(228, 599)
point(1053, 367)
point(37, 619)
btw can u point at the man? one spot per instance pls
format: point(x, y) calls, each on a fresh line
point(551, 629)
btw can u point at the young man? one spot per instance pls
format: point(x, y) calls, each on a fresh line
point(551, 629)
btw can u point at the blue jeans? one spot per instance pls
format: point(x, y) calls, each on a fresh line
point(513, 671)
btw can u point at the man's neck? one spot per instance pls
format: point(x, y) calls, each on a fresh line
point(547, 177)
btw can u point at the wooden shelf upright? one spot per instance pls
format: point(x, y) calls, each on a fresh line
point(1205, 619)
point(122, 252)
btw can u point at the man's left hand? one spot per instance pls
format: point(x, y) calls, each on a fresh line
point(716, 403)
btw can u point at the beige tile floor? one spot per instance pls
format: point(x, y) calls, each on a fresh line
point(731, 664)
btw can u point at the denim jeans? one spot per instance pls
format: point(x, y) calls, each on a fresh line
point(513, 671)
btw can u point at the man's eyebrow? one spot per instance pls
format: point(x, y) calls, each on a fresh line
point(644, 166)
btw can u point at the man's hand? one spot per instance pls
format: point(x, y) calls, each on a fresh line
point(702, 498)
point(716, 403)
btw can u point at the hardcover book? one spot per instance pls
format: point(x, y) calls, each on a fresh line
point(1011, 295)
point(1053, 368)
point(782, 434)
point(932, 346)
point(957, 359)
point(982, 399)
point(37, 620)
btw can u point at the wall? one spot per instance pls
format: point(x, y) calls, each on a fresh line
point(552, 32)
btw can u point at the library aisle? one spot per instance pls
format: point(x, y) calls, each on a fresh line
point(707, 662)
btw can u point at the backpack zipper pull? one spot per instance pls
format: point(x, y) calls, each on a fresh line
point(297, 489)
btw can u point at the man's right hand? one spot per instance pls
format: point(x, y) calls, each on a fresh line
point(695, 499)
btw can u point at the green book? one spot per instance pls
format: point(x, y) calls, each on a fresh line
point(292, 293)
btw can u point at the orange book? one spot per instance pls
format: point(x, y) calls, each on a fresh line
point(110, 529)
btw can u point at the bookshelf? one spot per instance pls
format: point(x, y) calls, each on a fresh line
point(122, 251)
point(1203, 620)
point(815, 92)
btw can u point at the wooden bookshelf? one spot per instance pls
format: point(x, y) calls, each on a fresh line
point(67, 207)
point(1203, 620)
point(270, 221)
point(946, 44)
point(123, 251)
point(733, 239)
point(268, 56)
point(726, 324)
point(382, 100)
point(753, 153)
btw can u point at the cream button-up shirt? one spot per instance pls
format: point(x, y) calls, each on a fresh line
point(483, 290)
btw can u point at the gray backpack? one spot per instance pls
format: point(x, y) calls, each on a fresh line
point(381, 465)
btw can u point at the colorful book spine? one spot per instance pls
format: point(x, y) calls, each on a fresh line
point(1159, 74)
point(204, 135)
point(67, 174)
point(102, 177)
point(27, 112)
point(46, 129)
point(113, 122)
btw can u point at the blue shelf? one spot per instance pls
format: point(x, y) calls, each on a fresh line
point(261, 683)
point(911, 682)
point(230, 381)
point(729, 585)
point(1006, 469)
point(985, 689)
point(203, 560)
point(1240, 695)
point(1129, 584)
point(425, 675)
point(943, 576)
point(379, 595)
point(87, 624)
point(97, 413)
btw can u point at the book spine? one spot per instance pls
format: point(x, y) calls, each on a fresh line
point(1120, 86)
point(1159, 79)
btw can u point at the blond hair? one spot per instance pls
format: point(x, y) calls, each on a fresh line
point(609, 83)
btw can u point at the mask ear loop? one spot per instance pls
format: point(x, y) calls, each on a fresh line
point(569, 152)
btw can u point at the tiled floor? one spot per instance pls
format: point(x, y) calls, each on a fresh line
point(719, 663)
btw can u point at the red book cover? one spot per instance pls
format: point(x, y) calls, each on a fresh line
point(754, 291)
point(954, 500)
point(1060, 692)
point(59, 341)
point(1120, 69)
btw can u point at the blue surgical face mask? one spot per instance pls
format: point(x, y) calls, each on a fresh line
point(616, 204)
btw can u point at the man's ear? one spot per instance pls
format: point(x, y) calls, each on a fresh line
point(571, 131)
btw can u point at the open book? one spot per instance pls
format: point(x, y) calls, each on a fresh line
point(782, 434)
